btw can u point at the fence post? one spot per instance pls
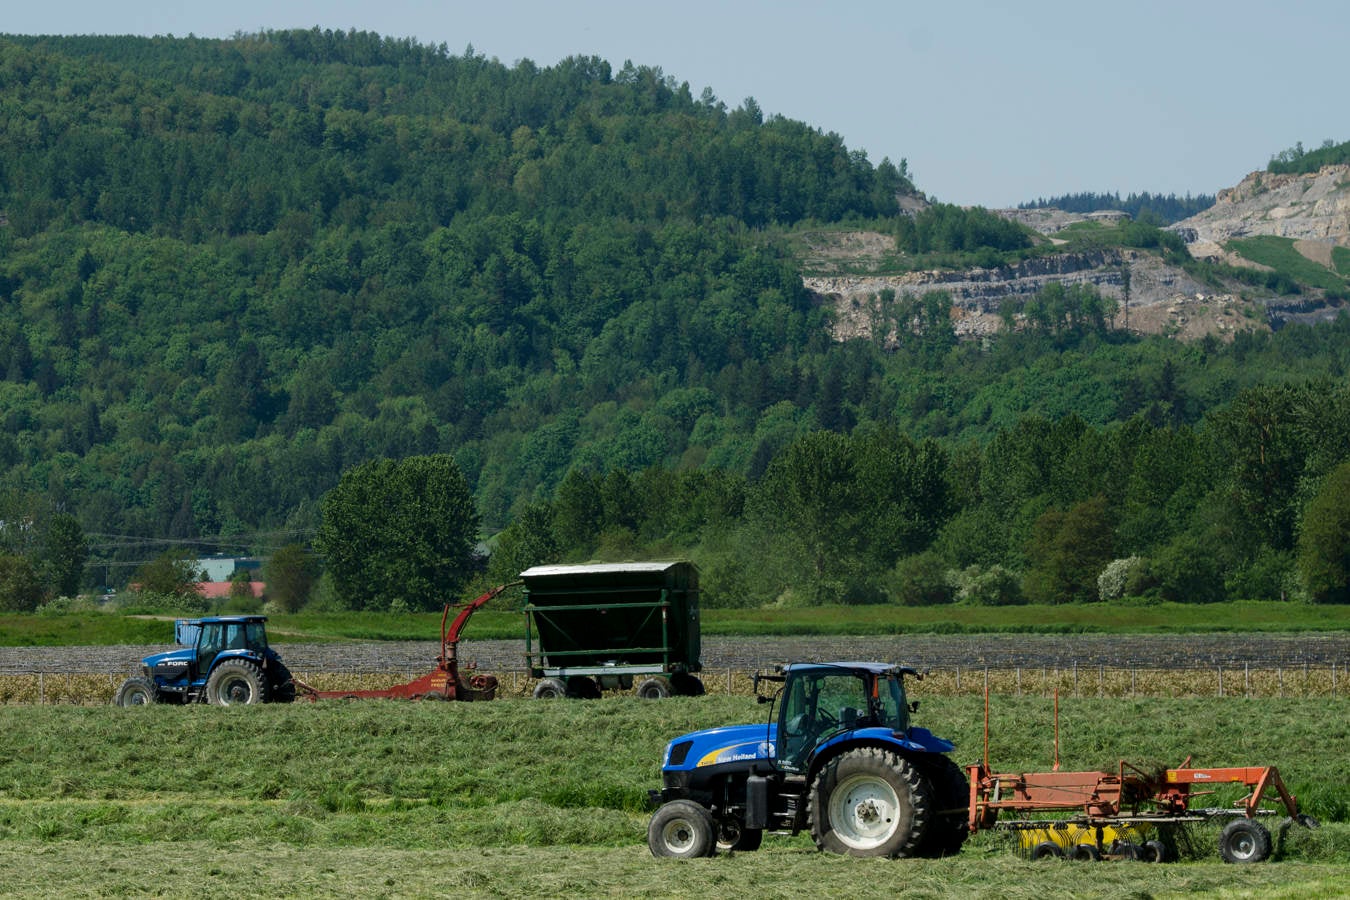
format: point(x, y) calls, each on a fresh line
point(42, 689)
point(1019, 680)
point(1075, 678)
point(1133, 672)
point(958, 679)
point(1220, 681)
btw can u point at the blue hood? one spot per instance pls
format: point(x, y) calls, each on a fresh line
point(716, 746)
point(184, 656)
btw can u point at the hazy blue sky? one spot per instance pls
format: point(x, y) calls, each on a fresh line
point(992, 103)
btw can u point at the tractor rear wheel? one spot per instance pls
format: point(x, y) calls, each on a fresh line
point(136, 691)
point(951, 814)
point(682, 829)
point(283, 685)
point(550, 689)
point(870, 802)
point(1244, 841)
point(236, 682)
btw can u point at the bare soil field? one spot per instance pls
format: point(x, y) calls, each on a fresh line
point(920, 651)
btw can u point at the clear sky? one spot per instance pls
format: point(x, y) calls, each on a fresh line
point(992, 103)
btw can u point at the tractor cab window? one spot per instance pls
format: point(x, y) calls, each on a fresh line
point(892, 709)
point(209, 644)
point(815, 706)
point(256, 636)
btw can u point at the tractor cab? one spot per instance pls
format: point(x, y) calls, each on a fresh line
point(822, 701)
point(208, 638)
point(826, 702)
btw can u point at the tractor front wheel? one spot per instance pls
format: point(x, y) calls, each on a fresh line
point(136, 691)
point(1244, 841)
point(682, 829)
point(870, 802)
point(236, 682)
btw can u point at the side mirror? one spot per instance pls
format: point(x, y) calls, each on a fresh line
point(914, 706)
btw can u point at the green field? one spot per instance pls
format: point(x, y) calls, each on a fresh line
point(90, 629)
point(528, 799)
point(1279, 254)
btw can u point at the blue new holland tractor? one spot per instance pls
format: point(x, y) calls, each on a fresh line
point(224, 660)
point(840, 759)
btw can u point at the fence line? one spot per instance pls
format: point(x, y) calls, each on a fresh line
point(1251, 679)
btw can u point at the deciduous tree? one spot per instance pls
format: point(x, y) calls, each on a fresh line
point(399, 531)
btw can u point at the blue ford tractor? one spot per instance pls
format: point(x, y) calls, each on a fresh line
point(841, 760)
point(224, 660)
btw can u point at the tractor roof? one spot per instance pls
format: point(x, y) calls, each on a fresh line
point(227, 620)
point(874, 668)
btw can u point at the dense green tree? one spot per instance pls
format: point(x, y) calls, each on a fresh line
point(528, 541)
point(1324, 540)
point(20, 587)
point(809, 498)
point(173, 573)
point(63, 554)
point(1069, 551)
point(291, 573)
point(399, 533)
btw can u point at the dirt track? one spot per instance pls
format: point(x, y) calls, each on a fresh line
point(921, 651)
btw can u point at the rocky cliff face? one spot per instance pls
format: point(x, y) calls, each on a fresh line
point(1311, 208)
point(978, 293)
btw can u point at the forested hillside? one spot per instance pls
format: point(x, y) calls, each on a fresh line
point(232, 270)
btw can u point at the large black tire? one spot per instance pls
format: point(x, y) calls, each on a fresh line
point(583, 688)
point(870, 802)
point(682, 829)
point(682, 684)
point(283, 685)
point(236, 682)
point(136, 691)
point(656, 688)
point(1047, 850)
point(550, 689)
point(1244, 841)
point(1085, 853)
point(951, 808)
point(731, 836)
point(1154, 852)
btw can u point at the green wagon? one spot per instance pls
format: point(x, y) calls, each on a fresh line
point(605, 626)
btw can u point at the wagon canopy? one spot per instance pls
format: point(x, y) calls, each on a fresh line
point(614, 614)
